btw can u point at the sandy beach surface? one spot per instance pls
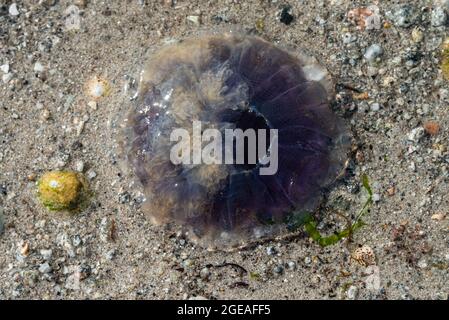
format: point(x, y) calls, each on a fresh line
point(390, 89)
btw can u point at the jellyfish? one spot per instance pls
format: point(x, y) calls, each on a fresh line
point(225, 82)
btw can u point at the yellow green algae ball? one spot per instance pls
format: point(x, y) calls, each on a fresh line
point(62, 190)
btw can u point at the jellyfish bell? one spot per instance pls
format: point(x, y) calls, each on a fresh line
point(232, 81)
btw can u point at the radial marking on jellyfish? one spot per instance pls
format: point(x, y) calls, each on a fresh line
point(232, 81)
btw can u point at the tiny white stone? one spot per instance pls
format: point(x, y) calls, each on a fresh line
point(352, 292)
point(73, 19)
point(38, 67)
point(373, 22)
point(80, 127)
point(416, 134)
point(5, 68)
point(45, 115)
point(372, 71)
point(375, 107)
point(91, 174)
point(45, 268)
point(6, 77)
point(92, 104)
point(348, 38)
point(291, 265)
point(422, 264)
point(194, 19)
point(13, 9)
point(79, 166)
point(438, 216)
point(373, 52)
point(417, 35)
point(46, 254)
point(438, 17)
point(271, 251)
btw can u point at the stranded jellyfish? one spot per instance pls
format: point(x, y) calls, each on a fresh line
point(225, 82)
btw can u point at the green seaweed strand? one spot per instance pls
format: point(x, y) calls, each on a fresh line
point(310, 225)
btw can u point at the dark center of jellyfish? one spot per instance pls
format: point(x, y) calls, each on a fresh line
point(250, 119)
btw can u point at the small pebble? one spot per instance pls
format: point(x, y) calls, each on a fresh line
point(403, 17)
point(365, 18)
point(286, 16)
point(194, 19)
point(124, 197)
point(205, 273)
point(80, 3)
point(375, 107)
point(438, 217)
point(348, 38)
point(291, 265)
point(46, 254)
point(38, 67)
point(6, 77)
point(352, 292)
point(187, 263)
point(373, 52)
point(4, 68)
point(92, 104)
point(91, 174)
point(111, 254)
point(80, 126)
point(422, 264)
point(76, 241)
point(371, 71)
point(73, 19)
point(79, 166)
point(388, 81)
point(13, 10)
point(45, 115)
point(438, 17)
point(391, 191)
point(25, 249)
point(416, 134)
point(271, 251)
point(417, 35)
point(45, 268)
point(278, 269)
